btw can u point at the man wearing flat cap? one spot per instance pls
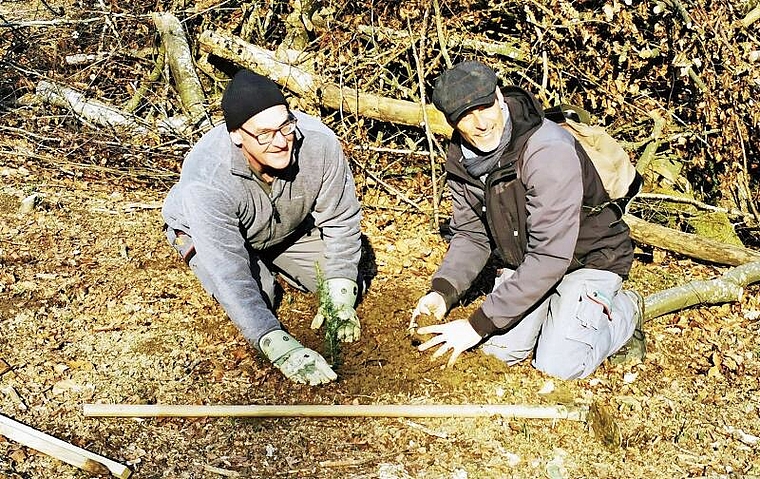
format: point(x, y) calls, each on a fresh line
point(523, 187)
point(269, 192)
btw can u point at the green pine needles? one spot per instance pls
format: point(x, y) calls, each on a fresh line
point(332, 320)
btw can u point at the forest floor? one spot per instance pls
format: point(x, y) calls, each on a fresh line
point(96, 308)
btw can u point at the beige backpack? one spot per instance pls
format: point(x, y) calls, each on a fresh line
point(620, 178)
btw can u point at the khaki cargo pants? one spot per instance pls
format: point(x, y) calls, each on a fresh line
point(573, 330)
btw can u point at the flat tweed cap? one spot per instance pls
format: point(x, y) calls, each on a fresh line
point(465, 86)
point(248, 94)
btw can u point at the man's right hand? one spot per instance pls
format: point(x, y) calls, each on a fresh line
point(296, 362)
point(432, 303)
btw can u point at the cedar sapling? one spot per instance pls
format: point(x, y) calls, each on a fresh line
point(333, 321)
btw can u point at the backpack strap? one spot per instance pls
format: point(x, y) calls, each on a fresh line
point(560, 113)
point(619, 205)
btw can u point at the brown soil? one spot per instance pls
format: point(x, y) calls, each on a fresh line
point(95, 307)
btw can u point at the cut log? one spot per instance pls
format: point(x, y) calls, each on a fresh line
point(89, 110)
point(727, 288)
point(68, 453)
point(689, 245)
point(315, 89)
point(180, 62)
point(98, 113)
point(575, 413)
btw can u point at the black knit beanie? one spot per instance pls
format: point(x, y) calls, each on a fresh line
point(248, 94)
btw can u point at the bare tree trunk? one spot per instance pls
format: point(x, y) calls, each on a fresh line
point(181, 64)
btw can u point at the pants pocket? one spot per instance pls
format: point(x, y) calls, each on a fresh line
point(586, 324)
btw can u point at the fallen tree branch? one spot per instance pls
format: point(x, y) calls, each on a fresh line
point(573, 413)
point(102, 114)
point(315, 89)
point(727, 288)
point(89, 110)
point(688, 244)
point(751, 17)
point(68, 453)
point(692, 202)
point(56, 22)
point(180, 62)
point(131, 105)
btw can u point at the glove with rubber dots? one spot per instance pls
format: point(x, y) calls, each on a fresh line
point(296, 362)
point(433, 304)
point(342, 294)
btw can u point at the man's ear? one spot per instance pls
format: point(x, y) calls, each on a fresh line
point(236, 138)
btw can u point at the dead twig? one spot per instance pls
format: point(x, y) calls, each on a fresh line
point(441, 34)
point(391, 189)
point(428, 134)
point(644, 197)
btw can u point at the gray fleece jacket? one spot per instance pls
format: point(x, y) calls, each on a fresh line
point(223, 206)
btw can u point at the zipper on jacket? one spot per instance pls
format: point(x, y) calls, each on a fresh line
point(273, 196)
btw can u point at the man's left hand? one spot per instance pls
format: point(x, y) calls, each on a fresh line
point(456, 335)
point(342, 293)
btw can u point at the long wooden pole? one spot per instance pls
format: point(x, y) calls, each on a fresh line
point(54, 447)
point(573, 413)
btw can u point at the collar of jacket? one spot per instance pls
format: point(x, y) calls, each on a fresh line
point(527, 116)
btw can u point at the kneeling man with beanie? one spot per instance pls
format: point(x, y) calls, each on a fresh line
point(269, 192)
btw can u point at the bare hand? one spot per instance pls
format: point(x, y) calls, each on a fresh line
point(456, 335)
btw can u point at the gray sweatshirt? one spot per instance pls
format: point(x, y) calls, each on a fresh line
point(222, 205)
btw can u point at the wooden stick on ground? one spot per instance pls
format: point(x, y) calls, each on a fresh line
point(61, 450)
point(573, 413)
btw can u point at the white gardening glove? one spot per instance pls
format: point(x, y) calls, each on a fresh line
point(432, 303)
point(297, 363)
point(342, 293)
point(457, 335)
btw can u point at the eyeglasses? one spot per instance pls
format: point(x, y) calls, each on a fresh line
point(266, 137)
